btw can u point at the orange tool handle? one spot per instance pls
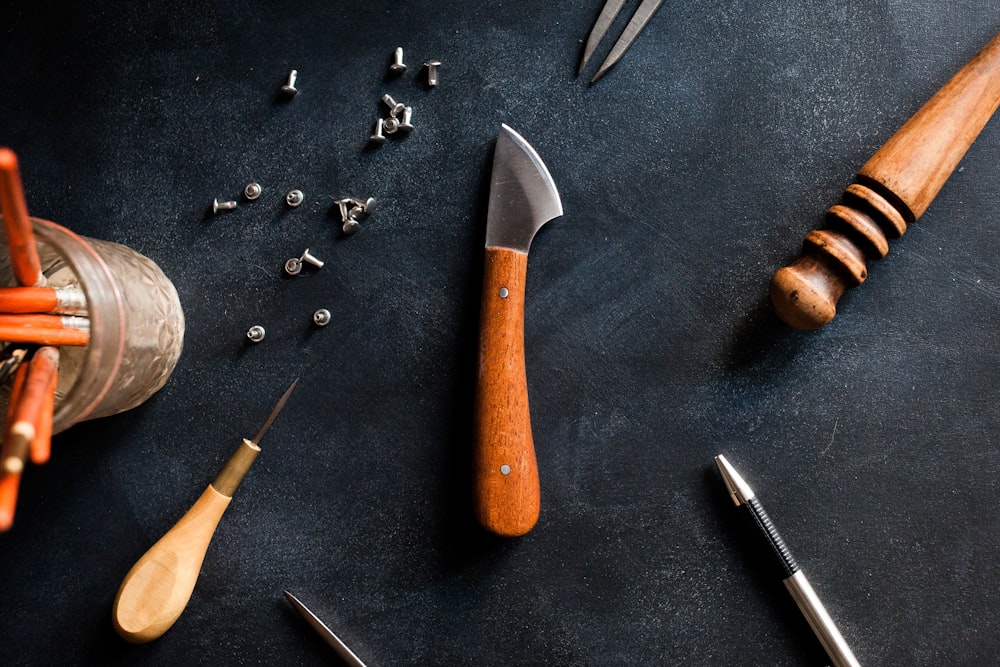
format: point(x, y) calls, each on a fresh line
point(508, 498)
point(45, 329)
point(64, 300)
point(20, 237)
point(28, 409)
point(41, 446)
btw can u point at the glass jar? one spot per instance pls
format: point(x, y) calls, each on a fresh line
point(136, 323)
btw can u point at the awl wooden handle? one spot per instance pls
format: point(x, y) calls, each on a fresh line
point(507, 490)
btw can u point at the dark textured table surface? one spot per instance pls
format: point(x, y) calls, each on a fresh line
point(688, 174)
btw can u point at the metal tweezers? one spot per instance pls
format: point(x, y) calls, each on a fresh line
point(634, 27)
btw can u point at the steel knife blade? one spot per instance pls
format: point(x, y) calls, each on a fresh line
point(523, 197)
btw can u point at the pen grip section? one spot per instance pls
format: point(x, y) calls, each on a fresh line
point(773, 537)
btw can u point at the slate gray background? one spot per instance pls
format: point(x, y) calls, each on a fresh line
point(688, 175)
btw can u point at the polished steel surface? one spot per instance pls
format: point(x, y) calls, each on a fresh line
point(325, 632)
point(824, 627)
point(523, 196)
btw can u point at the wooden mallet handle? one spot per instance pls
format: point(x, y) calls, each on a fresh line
point(892, 190)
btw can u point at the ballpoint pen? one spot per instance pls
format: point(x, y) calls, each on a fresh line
point(795, 580)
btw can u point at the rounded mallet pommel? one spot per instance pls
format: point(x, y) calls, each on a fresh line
point(833, 260)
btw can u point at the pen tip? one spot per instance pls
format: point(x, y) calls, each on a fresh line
point(738, 489)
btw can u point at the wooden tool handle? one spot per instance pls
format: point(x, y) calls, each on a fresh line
point(507, 489)
point(20, 235)
point(158, 587)
point(892, 190)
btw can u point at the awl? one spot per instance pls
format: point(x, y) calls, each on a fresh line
point(522, 199)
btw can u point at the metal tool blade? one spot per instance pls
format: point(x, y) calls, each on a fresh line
point(523, 196)
point(634, 27)
point(607, 16)
point(274, 413)
point(325, 632)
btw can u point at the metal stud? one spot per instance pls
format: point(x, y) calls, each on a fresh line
point(377, 136)
point(432, 71)
point(294, 198)
point(309, 259)
point(390, 125)
point(367, 205)
point(342, 204)
point(222, 205)
point(255, 333)
point(321, 317)
point(397, 66)
point(289, 88)
point(252, 191)
point(293, 266)
point(395, 108)
point(351, 226)
point(405, 125)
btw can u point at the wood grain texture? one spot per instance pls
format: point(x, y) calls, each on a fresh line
point(507, 491)
point(20, 235)
point(893, 188)
point(158, 587)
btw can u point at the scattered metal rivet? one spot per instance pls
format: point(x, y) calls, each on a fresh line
point(377, 135)
point(351, 226)
point(405, 125)
point(222, 205)
point(357, 213)
point(251, 191)
point(255, 333)
point(342, 203)
point(294, 198)
point(505, 469)
point(397, 65)
point(504, 292)
point(293, 266)
point(321, 317)
point(390, 125)
point(395, 108)
point(432, 71)
point(309, 259)
point(289, 88)
point(367, 204)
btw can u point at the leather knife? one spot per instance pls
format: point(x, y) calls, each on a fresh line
point(522, 199)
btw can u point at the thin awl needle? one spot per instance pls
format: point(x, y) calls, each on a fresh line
point(274, 413)
point(325, 632)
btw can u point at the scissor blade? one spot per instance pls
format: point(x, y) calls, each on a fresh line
point(325, 632)
point(634, 27)
point(608, 14)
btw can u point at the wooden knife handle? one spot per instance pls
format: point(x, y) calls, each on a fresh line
point(507, 490)
point(892, 190)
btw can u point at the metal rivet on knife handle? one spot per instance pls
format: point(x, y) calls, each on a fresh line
point(504, 292)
